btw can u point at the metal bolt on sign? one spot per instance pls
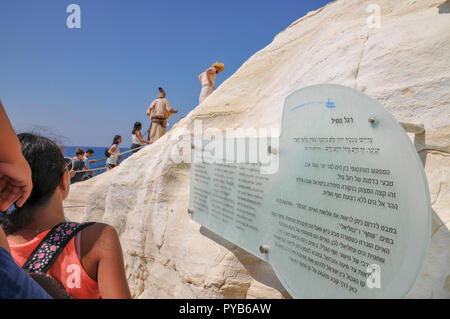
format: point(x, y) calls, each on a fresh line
point(264, 249)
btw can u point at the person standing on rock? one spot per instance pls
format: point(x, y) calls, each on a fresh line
point(208, 78)
point(159, 111)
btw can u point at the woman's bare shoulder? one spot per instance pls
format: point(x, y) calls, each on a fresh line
point(99, 237)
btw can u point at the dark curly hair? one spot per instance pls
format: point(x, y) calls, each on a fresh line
point(47, 167)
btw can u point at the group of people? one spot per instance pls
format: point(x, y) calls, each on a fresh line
point(81, 164)
point(42, 254)
point(159, 111)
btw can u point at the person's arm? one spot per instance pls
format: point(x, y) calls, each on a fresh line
point(169, 107)
point(208, 74)
point(105, 256)
point(85, 169)
point(200, 77)
point(91, 172)
point(140, 138)
point(149, 110)
point(15, 173)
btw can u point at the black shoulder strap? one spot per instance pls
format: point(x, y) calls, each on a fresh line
point(51, 246)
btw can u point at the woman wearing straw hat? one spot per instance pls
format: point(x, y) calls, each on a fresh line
point(208, 78)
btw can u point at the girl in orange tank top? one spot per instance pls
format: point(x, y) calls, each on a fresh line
point(67, 268)
point(91, 263)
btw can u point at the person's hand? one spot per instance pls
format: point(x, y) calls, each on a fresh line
point(15, 183)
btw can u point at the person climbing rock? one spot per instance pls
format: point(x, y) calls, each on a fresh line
point(16, 185)
point(159, 111)
point(137, 141)
point(208, 78)
point(114, 153)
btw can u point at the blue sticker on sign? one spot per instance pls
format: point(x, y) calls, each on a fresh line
point(329, 104)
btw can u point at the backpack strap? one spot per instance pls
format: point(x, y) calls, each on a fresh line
point(48, 250)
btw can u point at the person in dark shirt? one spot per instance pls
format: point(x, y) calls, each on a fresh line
point(78, 165)
point(15, 283)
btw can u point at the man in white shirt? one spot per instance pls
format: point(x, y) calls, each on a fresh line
point(159, 111)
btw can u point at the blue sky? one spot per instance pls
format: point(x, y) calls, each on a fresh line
point(87, 85)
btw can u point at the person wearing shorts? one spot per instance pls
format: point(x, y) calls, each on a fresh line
point(114, 153)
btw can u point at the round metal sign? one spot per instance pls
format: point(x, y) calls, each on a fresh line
point(349, 208)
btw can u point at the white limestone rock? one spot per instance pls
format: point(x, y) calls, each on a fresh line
point(404, 64)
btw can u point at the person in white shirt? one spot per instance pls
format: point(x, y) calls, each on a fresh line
point(87, 162)
point(159, 111)
point(137, 140)
point(208, 79)
point(114, 153)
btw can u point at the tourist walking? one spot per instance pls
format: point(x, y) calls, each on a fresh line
point(159, 111)
point(114, 153)
point(137, 140)
point(78, 166)
point(87, 162)
point(208, 79)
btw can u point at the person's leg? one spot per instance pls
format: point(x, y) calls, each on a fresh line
point(160, 131)
point(133, 148)
point(157, 131)
point(152, 134)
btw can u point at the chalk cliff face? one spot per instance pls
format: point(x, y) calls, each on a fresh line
point(404, 64)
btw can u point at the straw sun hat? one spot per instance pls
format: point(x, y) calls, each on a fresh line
point(221, 66)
